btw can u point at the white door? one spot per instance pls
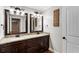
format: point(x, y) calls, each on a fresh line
point(72, 30)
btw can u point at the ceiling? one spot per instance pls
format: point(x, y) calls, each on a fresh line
point(39, 8)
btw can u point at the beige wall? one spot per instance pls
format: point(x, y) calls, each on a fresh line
point(55, 32)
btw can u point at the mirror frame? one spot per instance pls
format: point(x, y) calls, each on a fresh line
point(33, 26)
point(5, 22)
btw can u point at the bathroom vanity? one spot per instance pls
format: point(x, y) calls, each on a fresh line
point(32, 43)
point(17, 39)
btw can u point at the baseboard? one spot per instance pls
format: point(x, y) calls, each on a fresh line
point(53, 50)
point(56, 51)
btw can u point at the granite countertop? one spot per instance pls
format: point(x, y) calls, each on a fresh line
point(22, 37)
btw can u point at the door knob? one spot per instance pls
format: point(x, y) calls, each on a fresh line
point(64, 38)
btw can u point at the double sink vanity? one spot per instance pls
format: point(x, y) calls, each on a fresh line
point(17, 37)
point(26, 43)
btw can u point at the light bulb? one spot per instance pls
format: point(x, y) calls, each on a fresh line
point(11, 11)
point(17, 12)
point(22, 13)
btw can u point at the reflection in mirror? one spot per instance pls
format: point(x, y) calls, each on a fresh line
point(36, 23)
point(15, 24)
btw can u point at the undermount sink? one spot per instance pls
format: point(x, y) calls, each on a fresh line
point(17, 35)
point(38, 32)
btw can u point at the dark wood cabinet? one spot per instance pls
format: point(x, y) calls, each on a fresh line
point(34, 45)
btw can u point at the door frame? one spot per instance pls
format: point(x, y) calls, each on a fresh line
point(64, 29)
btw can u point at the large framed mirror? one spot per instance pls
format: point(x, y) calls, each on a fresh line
point(36, 23)
point(15, 24)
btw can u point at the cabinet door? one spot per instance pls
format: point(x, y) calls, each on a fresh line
point(14, 47)
point(8, 48)
point(22, 46)
point(44, 42)
point(39, 44)
point(33, 45)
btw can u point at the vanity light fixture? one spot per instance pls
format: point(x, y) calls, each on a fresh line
point(37, 14)
point(22, 12)
point(16, 10)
